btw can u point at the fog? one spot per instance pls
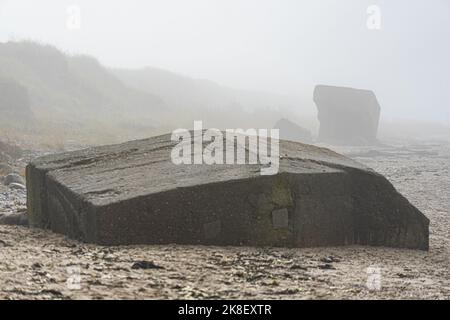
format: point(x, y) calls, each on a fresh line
point(285, 47)
point(224, 149)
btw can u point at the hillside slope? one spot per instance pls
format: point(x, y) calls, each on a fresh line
point(66, 96)
point(72, 92)
point(218, 106)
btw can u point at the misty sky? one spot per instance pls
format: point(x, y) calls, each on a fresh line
point(283, 46)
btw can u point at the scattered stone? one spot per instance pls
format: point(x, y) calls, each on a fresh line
point(298, 267)
point(16, 218)
point(4, 243)
point(17, 186)
point(255, 277)
point(347, 116)
point(403, 275)
point(287, 291)
point(132, 193)
point(36, 265)
point(13, 178)
point(330, 259)
point(52, 292)
point(326, 266)
point(145, 265)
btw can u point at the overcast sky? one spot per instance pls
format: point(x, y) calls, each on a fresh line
point(284, 46)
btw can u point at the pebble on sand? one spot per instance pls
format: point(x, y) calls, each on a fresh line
point(13, 178)
point(16, 218)
point(17, 186)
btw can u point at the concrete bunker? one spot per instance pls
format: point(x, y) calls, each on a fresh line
point(132, 193)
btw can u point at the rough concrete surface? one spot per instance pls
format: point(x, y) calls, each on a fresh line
point(132, 193)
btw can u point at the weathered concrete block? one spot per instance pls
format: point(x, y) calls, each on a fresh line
point(347, 116)
point(132, 193)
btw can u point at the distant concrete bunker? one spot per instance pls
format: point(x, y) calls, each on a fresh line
point(132, 193)
point(347, 116)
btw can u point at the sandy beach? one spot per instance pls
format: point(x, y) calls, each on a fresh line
point(38, 264)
